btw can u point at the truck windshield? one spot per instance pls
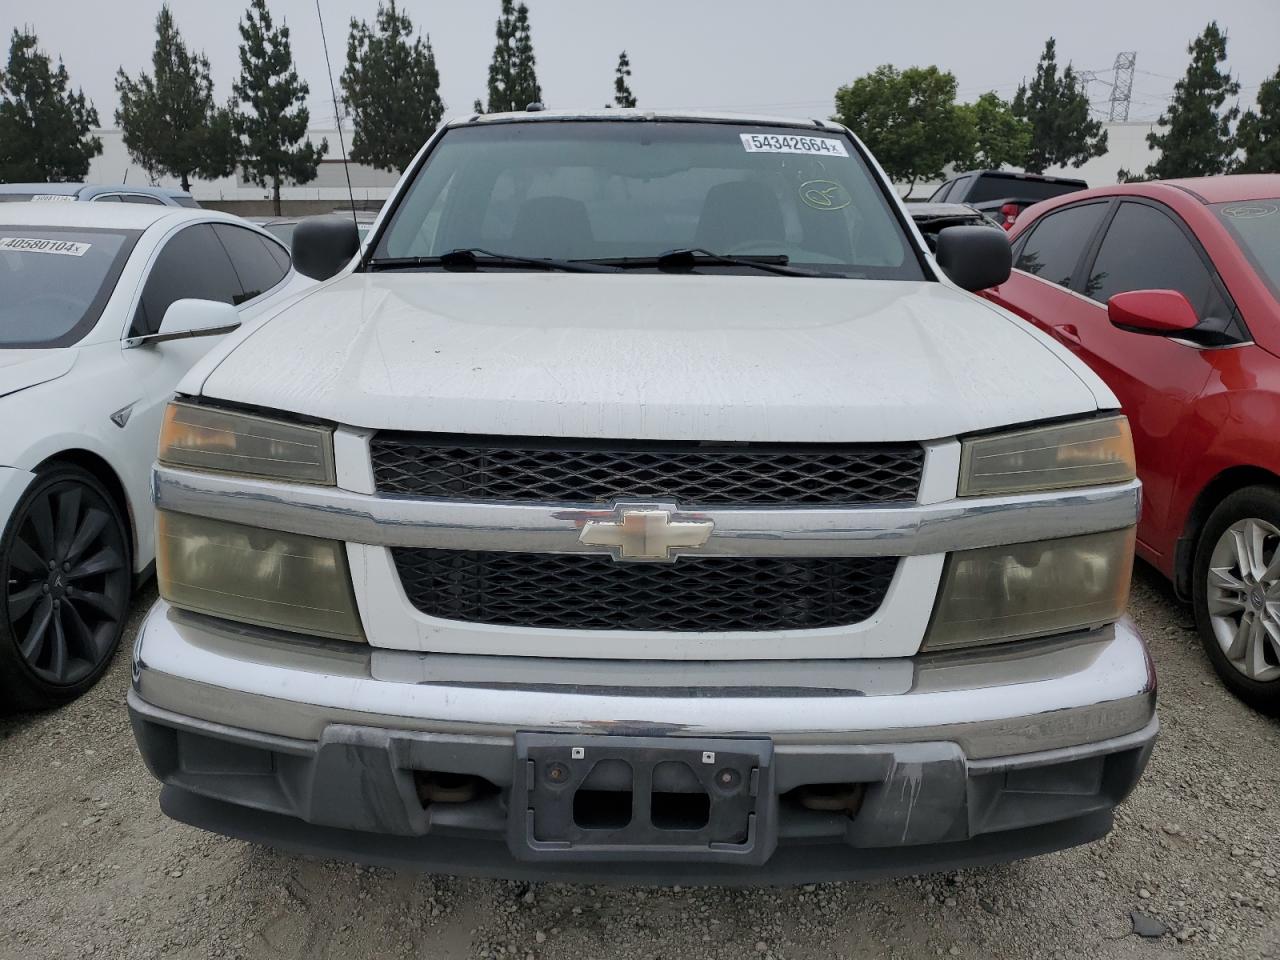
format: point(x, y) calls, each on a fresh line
point(626, 192)
point(1256, 226)
point(56, 281)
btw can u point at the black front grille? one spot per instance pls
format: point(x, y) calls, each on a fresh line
point(588, 592)
point(701, 474)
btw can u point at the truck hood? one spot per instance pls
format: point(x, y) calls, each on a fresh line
point(20, 369)
point(735, 358)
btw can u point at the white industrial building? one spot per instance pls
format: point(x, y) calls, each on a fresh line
point(1126, 142)
point(327, 191)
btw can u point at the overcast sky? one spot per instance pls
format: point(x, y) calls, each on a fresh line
point(750, 55)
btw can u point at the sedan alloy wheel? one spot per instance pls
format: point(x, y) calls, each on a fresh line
point(67, 581)
point(1243, 596)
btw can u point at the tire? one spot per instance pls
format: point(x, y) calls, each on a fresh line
point(66, 578)
point(1238, 614)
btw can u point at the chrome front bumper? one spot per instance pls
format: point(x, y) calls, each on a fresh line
point(993, 702)
point(967, 758)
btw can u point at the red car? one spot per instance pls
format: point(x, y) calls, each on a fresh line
point(1171, 292)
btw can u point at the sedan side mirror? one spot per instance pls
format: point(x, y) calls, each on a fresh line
point(975, 257)
point(193, 318)
point(324, 245)
point(1158, 312)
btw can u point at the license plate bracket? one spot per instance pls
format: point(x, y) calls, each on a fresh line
point(642, 798)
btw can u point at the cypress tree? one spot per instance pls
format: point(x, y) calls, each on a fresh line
point(1057, 108)
point(169, 119)
point(1258, 134)
point(392, 87)
point(273, 129)
point(513, 78)
point(622, 95)
point(45, 129)
point(1196, 132)
point(525, 88)
point(502, 66)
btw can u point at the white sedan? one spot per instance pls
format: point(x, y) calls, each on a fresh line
point(103, 308)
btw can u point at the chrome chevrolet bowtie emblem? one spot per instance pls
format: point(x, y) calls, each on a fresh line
point(645, 532)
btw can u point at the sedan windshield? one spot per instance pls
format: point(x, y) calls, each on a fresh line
point(623, 193)
point(1256, 227)
point(56, 281)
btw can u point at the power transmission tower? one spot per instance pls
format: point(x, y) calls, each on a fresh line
point(1122, 86)
point(1086, 77)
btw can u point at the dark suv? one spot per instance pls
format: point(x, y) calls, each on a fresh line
point(1003, 194)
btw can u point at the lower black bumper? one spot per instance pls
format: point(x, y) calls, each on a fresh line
point(358, 794)
point(485, 857)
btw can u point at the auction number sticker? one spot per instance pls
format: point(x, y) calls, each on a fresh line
point(789, 143)
point(52, 198)
point(66, 248)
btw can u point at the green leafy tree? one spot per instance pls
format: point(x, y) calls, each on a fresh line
point(1057, 108)
point(1197, 141)
point(45, 129)
point(273, 128)
point(513, 77)
point(1258, 133)
point(622, 95)
point(392, 87)
point(999, 136)
point(909, 119)
point(170, 122)
point(1125, 175)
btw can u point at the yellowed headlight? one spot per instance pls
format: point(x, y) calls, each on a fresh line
point(1032, 589)
point(273, 579)
point(1077, 454)
point(200, 437)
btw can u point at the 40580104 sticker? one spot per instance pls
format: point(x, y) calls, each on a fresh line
point(66, 248)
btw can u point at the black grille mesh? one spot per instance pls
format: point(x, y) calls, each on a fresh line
point(579, 471)
point(588, 592)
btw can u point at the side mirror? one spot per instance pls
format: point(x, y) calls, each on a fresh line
point(194, 318)
point(324, 245)
point(974, 257)
point(1158, 312)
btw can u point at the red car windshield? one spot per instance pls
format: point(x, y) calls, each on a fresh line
point(1256, 226)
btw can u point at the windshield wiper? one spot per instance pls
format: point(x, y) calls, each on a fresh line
point(475, 258)
point(686, 258)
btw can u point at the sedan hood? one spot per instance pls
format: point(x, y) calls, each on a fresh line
point(735, 358)
point(20, 369)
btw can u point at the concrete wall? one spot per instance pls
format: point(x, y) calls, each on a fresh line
point(290, 208)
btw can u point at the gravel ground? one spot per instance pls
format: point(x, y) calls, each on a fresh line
point(88, 866)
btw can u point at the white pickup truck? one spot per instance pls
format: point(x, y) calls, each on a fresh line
point(644, 500)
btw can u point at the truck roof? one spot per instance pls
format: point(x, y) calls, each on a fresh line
point(628, 114)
